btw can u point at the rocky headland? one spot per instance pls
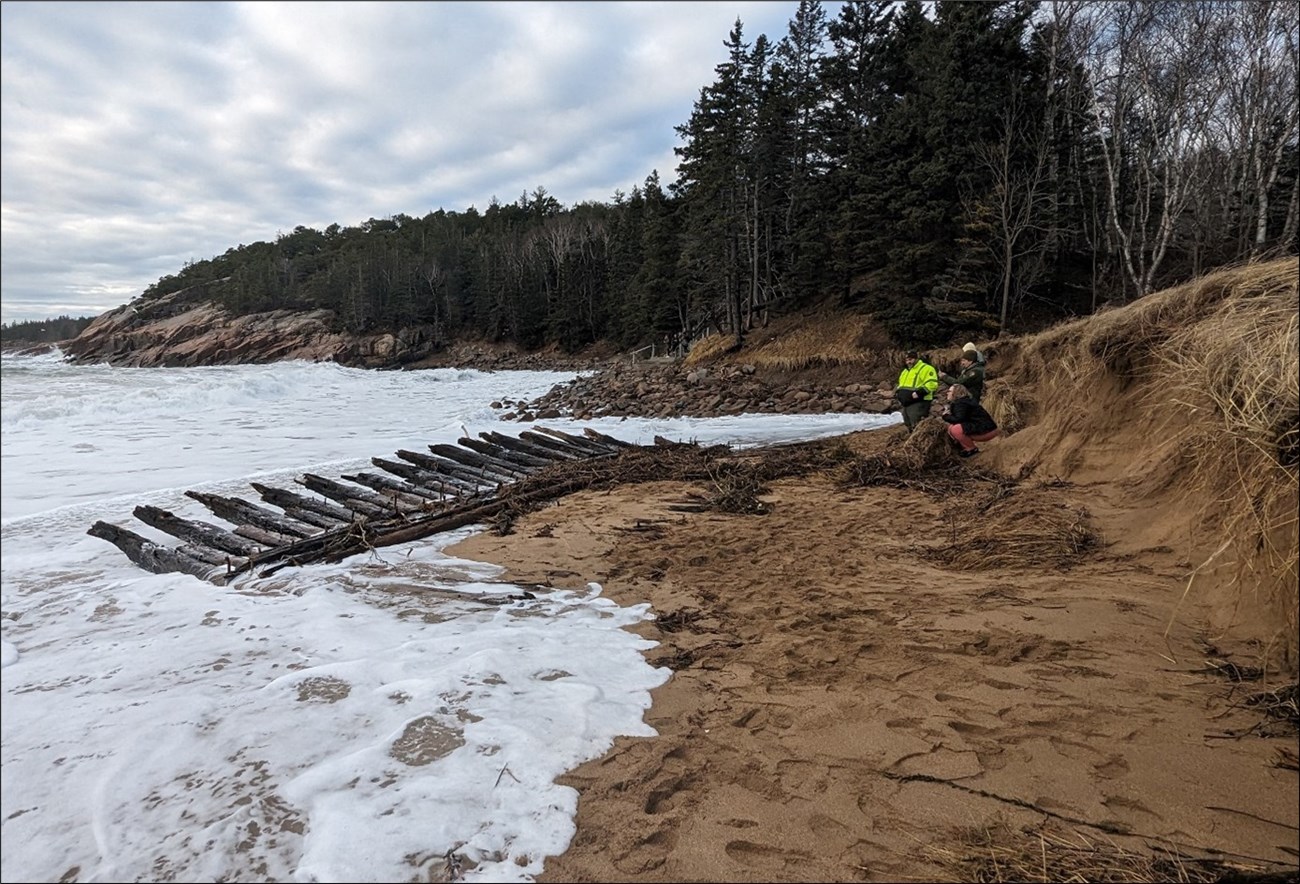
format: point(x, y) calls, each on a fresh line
point(182, 329)
point(185, 329)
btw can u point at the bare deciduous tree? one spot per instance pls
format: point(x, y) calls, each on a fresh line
point(1158, 82)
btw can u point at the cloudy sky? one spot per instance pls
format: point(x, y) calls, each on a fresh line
point(139, 136)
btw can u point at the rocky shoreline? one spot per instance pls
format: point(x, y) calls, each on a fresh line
point(183, 329)
point(675, 390)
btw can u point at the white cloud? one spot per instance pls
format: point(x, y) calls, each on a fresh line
point(139, 136)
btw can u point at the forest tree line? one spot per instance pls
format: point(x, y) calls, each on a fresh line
point(994, 164)
point(43, 331)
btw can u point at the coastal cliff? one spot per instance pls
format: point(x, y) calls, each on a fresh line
point(186, 329)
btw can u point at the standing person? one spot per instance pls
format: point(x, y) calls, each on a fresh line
point(968, 422)
point(971, 376)
point(915, 391)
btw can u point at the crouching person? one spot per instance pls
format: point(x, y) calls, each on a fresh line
point(968, 422)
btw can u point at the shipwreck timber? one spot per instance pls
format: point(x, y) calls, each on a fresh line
point(416, 496)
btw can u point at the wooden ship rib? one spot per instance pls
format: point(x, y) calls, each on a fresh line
point(415, 496)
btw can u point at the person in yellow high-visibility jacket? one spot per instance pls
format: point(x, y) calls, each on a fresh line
point(915, 391)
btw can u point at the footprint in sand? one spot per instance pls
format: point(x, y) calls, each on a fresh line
point(1112, 767)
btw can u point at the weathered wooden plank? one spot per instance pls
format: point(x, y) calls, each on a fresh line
point(152, 557)
point(427, 478)
point(521, 460)
point(477, 461)
point(191, 531)
point(501, 458)
point(399, 499)
point(604, 439)
point(238, 511)
point(334, 545)
point(522, 445)
point(590, 446)
point(307, 548)
point(307, 517)
point(323, 509)
point(213, 557)
point(558, 445)
point(385, 484)
point(270, 539)
point(361, 501)
point(480, 478)
point(454, 518)
point(451, 487)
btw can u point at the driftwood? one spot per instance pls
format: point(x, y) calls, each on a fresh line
point(479, 480)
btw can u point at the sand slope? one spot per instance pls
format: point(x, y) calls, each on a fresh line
point(874, 675)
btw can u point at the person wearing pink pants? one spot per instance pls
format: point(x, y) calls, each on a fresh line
point(968, 422)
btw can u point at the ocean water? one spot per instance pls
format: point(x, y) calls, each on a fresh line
point(330, 723)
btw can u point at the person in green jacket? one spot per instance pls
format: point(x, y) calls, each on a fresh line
point(971, 375)
point(915, 392)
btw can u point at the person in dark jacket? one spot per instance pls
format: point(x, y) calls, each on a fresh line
point(968, 422)
point(971, 376)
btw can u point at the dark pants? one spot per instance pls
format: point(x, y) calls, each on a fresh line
point(915, 413)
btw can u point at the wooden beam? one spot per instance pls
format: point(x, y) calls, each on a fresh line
point(270, 539)
point(474, 460)
point(522, 460)
point(200, 533)
point(558, 445)
point(152, 557)
point(479, 478)
point(456, 518)
point(213, 557)
point(237, 511)
point(361, 501)
point(587, 445)
point(550, 455)
point(429, 479)
point(312, 518)
point(331, 513)
point(385, 484)
point(606, 440)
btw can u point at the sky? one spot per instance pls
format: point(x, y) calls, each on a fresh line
point(359, 721)
point(135, 137)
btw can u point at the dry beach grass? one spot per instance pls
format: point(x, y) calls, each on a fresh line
point(1073, 658)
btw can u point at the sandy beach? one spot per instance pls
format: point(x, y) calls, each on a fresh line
point(847, 705)
point(1052, 661)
